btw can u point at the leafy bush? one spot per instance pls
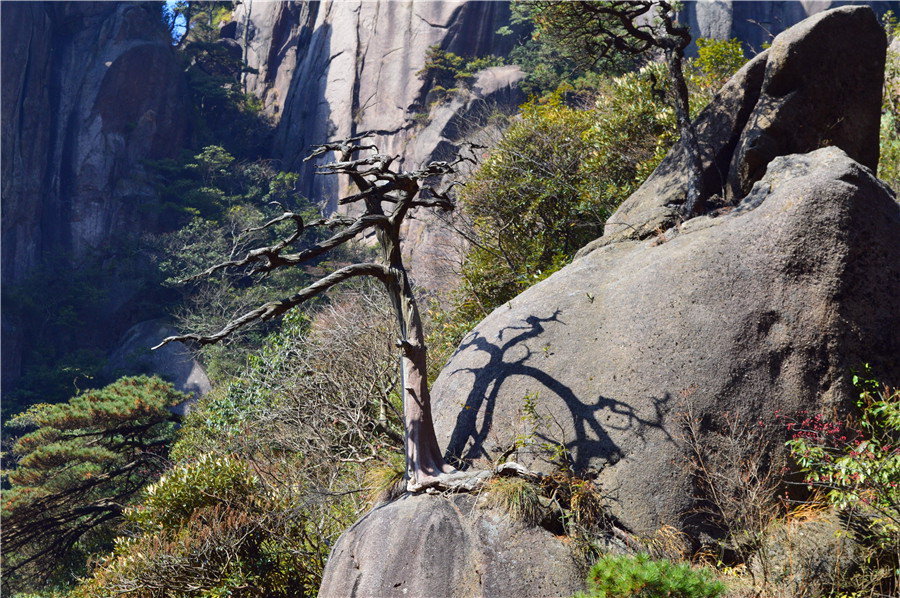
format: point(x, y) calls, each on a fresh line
point(639, 576)
point(212, 528)
point(889, 161)
point(714, 65)
point(83, 461)
point(546, 189)
point(857, 465)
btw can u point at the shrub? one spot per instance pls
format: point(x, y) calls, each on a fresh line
point(889, 161)
point(621, 576)
point(716, 62)
point(857, 464)
point(83, 461)
point(212, 528)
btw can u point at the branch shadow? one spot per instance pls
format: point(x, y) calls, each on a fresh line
point(591, 440)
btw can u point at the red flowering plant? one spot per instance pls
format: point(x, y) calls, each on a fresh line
point(857, 464)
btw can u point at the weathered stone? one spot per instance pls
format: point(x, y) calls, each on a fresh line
point(763, 308)
point(756, 23)
point(822, 87)
point(657, 204)
point(174, 362)
point(448, 546)
point(807, 91)
point(807, 557)
point(91, 90)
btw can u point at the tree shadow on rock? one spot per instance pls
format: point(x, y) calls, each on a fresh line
point(588, 440)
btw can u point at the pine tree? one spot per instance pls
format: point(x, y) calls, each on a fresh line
point(77, 469)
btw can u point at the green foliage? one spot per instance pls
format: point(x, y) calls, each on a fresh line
point(547, 56)
point(889, 161)
point(223, 113)
point(448, 71)
point(547, 187)
point(188, 487)
point(211, 527)
point(224, 199)
point(640, 576)
point(716, 62)
point(79, 465)
point(213, 181)
point(857, 465)
point(305, 421)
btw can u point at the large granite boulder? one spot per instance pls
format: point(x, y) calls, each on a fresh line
point(755, 23)
point(449, 546)
point(819, 84)
point(759, 309)
point(823, 86)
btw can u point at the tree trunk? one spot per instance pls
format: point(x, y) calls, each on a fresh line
point(424, 460)
point(693, 201)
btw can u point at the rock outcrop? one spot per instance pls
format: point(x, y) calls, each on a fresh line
point(173, 363)
point(756, 23)
point(448, 546)
point(329, 70)
point(809, 90)
point(334, 69)
point(753, 308)
point(90, 90)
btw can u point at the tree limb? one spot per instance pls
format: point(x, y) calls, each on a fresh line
point(273, 309)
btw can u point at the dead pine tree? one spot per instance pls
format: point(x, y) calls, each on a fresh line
point(386, 197)
point(588, 31)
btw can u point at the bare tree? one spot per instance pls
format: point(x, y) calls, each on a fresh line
point(386, 197)
point(590, 30)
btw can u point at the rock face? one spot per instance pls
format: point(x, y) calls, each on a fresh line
point(753, 308)
point(822, 87)
point(764, 308)
point(330, 70)
point(437, 546)
point(173, 362)
point(90, 91)
point(334, 69)
point(807, 91)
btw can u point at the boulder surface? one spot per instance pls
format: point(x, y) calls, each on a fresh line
point(427, 545)
point(760, 309)
point(819, 84)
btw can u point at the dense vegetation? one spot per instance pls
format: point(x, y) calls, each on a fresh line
point(303, 430)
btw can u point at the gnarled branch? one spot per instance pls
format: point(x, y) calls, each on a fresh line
point(272, 309)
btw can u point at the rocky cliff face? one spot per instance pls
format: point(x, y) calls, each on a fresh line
point(335, 69)
point(90, 90)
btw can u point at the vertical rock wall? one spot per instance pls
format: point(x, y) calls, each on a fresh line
point(334, 69)
point(90, 91)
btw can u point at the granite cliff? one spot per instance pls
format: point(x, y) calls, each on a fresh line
point(90, 91)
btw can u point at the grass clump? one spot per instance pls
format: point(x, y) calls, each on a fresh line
point(615, 576)
point(517, 497)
